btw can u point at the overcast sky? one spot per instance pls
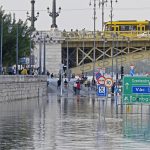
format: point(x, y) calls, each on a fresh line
point(77, 14)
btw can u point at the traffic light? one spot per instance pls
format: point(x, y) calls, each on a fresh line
point(122, 72)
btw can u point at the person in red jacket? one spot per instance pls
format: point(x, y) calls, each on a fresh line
point(78, 87)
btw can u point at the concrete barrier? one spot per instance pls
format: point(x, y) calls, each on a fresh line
point(18, 87)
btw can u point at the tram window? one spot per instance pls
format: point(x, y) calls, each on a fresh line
point(117, 28)
point(134, 28)
point(126, 28)
point(122, 28)
point(147, 28)
point(112, 29)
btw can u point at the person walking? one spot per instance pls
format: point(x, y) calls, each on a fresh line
point(78, 88)
point(58, 84)
point(75, 88)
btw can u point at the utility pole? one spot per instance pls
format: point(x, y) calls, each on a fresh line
point(54, 14)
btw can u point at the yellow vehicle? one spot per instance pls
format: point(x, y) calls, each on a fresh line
point(127, 27)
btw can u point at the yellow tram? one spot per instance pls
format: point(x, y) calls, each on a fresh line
point(127, 27)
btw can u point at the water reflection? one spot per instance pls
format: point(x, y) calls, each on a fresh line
point(73, 123)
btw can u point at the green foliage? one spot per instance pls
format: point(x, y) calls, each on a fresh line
point(9, 39)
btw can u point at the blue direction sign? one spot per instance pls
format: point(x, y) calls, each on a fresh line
point(102, 91)
point(141, 89)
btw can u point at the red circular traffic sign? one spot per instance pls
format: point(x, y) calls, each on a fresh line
point(101, 80)
point(108, 82)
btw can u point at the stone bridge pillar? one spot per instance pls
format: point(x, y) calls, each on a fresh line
point(51, 43)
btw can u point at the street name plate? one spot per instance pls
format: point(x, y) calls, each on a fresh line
point(136, 90)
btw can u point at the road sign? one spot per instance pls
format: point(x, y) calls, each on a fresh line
point(108, 82)
point(102, 91)
point(136, 89)
point(98, 75)
point(101, 80)
point(132, 70)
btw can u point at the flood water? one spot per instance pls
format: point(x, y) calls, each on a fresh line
point(73, 123)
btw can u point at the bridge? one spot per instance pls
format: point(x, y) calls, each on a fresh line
point(119, 48)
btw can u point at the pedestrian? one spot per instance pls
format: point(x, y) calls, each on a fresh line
point(48, 73)
point(78, 88)
point(58, 84)
point(93, 84)
point(52, 75)
point(88, 84)
point(75, 88)
point(24, 71)
point(113, 91)
point(65, 83)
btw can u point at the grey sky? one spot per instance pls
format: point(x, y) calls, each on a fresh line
point(77, 14)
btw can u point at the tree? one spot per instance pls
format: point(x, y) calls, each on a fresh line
point(9, 39)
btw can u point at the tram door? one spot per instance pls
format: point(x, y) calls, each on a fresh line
point(117, 28)
point(140, 28)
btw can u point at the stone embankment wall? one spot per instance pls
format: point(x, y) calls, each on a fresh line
point(20, 87)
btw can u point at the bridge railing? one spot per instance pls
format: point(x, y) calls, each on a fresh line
point(77, 35)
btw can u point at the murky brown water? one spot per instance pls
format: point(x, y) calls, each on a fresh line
point(72, 124)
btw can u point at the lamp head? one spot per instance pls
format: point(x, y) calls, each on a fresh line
point(48, 9)
point(59, 9)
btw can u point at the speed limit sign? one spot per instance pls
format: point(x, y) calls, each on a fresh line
point(108, 82)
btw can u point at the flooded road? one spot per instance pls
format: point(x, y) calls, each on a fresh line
point(73, 123)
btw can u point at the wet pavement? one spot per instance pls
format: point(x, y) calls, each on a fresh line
point(73, 123)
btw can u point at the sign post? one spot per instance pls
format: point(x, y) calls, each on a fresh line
point(136, 90)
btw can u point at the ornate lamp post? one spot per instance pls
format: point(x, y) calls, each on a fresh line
point(54, 14)
point(111, 10)
point(111, 17)
point(1, 47)
point(42, 38)
point(94, 9)
point(32, 19)
point(102, 2)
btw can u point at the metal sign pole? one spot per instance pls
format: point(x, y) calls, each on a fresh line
point(61, 71)
point(106, 103)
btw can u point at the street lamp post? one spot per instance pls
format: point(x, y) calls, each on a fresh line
point(94, 49)
point(42, 38)
point(83, 47)
point(111, 29)
point(117, 59)
point(111, 11)
point(17, 47)
point(103, 3)
point(104, 45)
point(68, 73)
point(54, 14)
point(32, 19)
point(1, 48)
